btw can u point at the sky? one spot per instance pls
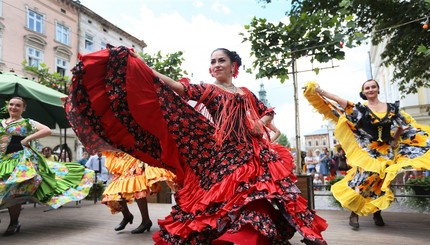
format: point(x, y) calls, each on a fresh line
point(197, 27)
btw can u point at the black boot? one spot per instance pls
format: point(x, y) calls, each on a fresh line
point(142, 228)
point(124, 223)
point(12, 229)
point(353, 220)
point(378, 218)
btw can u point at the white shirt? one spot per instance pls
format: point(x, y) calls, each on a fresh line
point(93, 163)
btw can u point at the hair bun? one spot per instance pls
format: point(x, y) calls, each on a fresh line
point(363, 96)
point(236, 57)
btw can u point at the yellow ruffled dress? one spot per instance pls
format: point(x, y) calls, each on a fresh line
point(132, 179)
point(366, 186)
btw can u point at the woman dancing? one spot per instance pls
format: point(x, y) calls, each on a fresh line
point(235, 188)
point(132, 180)
point(25, 175)
point(379, 141)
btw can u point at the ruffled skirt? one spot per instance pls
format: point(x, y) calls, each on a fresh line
point(366, 187)
point(116, 102)
point(26, 176)
point(132, 179)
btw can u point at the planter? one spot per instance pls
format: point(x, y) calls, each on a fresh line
point(421, 190)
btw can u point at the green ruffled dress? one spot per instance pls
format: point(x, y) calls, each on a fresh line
point(25, 175)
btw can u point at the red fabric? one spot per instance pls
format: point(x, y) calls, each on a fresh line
point(228, 187)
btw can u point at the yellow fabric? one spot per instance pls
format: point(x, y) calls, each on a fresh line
point(132, 178)
point(321, 106)
point(380, 114)
point(357, 157)
point(360, 160)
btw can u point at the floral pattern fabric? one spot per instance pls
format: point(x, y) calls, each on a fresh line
point(117, 102)
point(26, 176)
point(366, 137)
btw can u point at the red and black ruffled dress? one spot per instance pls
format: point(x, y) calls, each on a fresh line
point(234, 186)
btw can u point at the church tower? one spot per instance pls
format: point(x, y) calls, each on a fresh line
point(262, 95)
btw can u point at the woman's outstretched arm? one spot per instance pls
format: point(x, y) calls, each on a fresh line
point(342, 102)
point(176, 86)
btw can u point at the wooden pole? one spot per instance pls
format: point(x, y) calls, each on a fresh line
point(297, 117)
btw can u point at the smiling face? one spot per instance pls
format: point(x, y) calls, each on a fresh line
point(370, 89)
point(221, 67)
point(16, 107)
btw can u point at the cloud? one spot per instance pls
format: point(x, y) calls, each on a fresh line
point(198, 36)
point(198, 4)
point(220, 8)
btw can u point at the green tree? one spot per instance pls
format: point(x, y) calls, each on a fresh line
point(283, 140)
point(43, 76)
point(321, 29)
point(169, 64)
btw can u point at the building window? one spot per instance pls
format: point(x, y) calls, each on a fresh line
point(316, 142)
point(35, 21)
point(89, 42)
point(324, 142)
point(103, 45)
point(62, 34)
point(34, 57)
point(61, 66)
point(309, 143)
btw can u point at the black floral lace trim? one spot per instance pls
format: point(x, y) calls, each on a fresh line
point(116, 90)
point(278, 231)
point(79, 103)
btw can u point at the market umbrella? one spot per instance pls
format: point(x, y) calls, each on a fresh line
point(43, 104)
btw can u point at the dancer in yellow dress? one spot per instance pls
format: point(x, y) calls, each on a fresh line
point(132, 180)
point(379, 140)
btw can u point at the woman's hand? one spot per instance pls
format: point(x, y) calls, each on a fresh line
point(319, 91)
point(258, 128)
point(394, 144)
point(25, 142)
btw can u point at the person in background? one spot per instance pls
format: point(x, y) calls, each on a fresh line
point(310, 162)
point(342, 164)
point(324, 163)
point(84, 159)
point(97, 163)
point(380, 141)
point(65, 154)
point(47, 153)
point(26, 176)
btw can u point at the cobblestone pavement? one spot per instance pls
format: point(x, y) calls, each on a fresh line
point(89, 223)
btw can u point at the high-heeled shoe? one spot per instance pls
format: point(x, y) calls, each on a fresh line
point(378, 218)
point(124, 223)
point(12, 229)
point(142, 228)
point(353, 220)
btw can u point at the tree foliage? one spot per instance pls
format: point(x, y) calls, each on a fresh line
point(283, 140)
point(43, 76)
point(321, 29)
point(169, 64)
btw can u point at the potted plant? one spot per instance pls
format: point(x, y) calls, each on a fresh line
point(418, 186)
